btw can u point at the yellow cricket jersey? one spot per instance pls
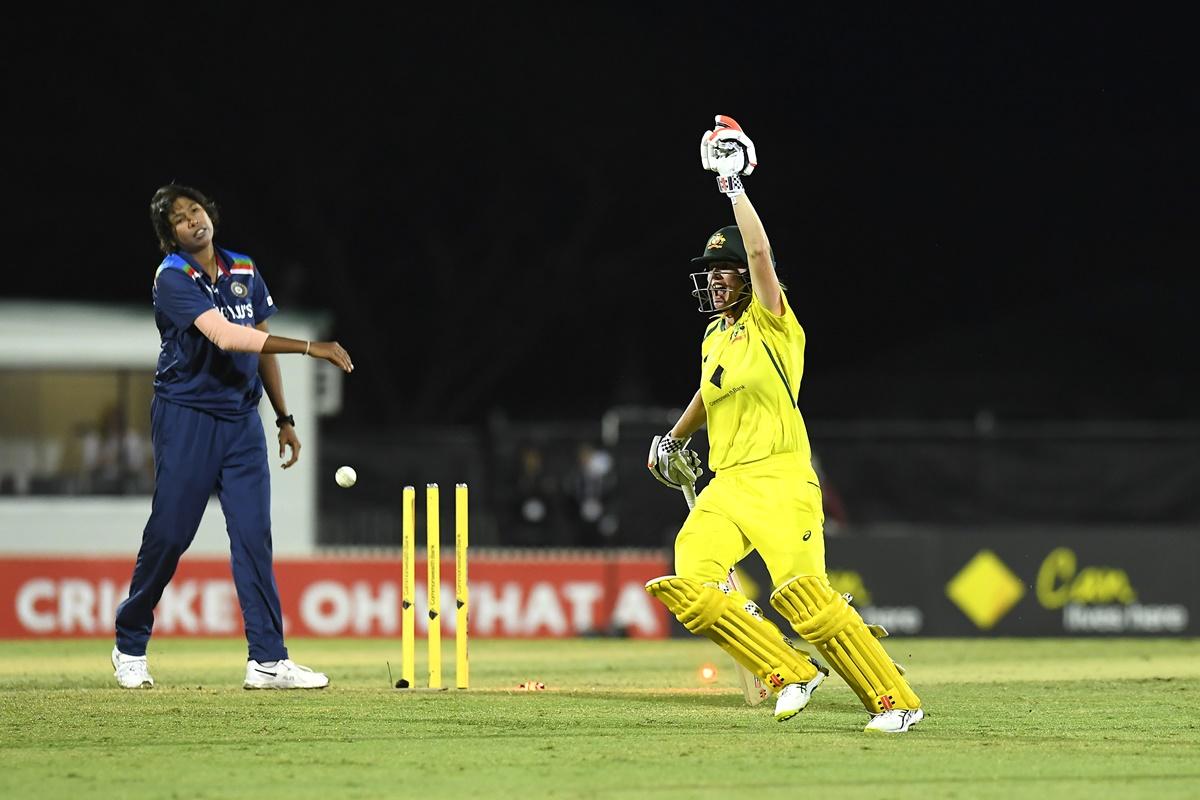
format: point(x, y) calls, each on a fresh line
point(749, 379)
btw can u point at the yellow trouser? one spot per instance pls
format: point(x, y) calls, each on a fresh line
point(772, 506)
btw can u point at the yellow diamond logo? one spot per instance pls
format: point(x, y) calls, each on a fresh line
point(985, 589)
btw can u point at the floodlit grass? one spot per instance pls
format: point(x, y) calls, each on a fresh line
point(618, 718)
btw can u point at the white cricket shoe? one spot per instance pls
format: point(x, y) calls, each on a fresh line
point(283, 674)
point(132, 672)
point(794, 697)
point(898, 720)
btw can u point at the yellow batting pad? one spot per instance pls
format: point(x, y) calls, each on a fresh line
point(737, 626)
point(829, 623)
point(703, 610)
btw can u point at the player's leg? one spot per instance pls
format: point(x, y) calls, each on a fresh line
point(737, 626)
point(783, 519)
point(699, 597)
point(784, 523)
point(826, 620)
point(186, 460)
point(709, 543)
point(245, 494)
point(781, 515)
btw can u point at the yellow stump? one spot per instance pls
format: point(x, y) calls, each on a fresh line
point(433, 588)
point(408, 632)
point(462, 673)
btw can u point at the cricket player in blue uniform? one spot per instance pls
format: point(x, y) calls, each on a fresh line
point(765, 495)
point(211, 306)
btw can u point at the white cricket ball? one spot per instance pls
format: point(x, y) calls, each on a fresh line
point(345, 477)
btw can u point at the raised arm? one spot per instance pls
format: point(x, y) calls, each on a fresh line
point(758, 254)
point(728, 151)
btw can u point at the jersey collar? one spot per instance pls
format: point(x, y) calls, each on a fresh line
point(223, 260)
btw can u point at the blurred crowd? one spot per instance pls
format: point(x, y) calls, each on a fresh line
point(106, 456)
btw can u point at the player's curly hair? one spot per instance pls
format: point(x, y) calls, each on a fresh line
point(160, 212)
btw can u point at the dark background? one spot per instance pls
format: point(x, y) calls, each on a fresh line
point(973, 210)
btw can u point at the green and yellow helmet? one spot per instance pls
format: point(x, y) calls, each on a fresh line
point(723, 247)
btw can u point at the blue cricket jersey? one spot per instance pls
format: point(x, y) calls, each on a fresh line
point(192, 371)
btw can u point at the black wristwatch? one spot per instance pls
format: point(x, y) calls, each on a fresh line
point(285, 420)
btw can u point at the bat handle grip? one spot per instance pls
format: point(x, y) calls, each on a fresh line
point(689, 494)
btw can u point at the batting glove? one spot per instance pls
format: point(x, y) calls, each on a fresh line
point(728, 151)
point(671, 463)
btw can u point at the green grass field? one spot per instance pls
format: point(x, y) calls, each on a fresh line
point(618, 718)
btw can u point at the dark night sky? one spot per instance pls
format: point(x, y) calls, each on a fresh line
point(972, 209)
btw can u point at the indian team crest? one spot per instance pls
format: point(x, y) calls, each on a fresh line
point(716, 242)
point(238, 288)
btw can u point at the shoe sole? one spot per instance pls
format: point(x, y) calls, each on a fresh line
point(812, 687)
point(917, 717)
point(249, 687)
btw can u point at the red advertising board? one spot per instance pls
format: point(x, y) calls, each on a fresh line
point(522, 596)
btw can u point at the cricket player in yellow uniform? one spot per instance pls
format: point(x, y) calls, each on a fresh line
point(765, 495)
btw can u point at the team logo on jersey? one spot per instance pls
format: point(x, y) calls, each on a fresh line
point(238, 288)
point(738, 333)
point(716, 242)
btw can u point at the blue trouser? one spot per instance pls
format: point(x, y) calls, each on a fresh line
point(194, 454)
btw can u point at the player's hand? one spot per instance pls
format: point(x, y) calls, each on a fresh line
point(727, 150)
point(332, 352)
point(288, 438)
point(671, 463)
